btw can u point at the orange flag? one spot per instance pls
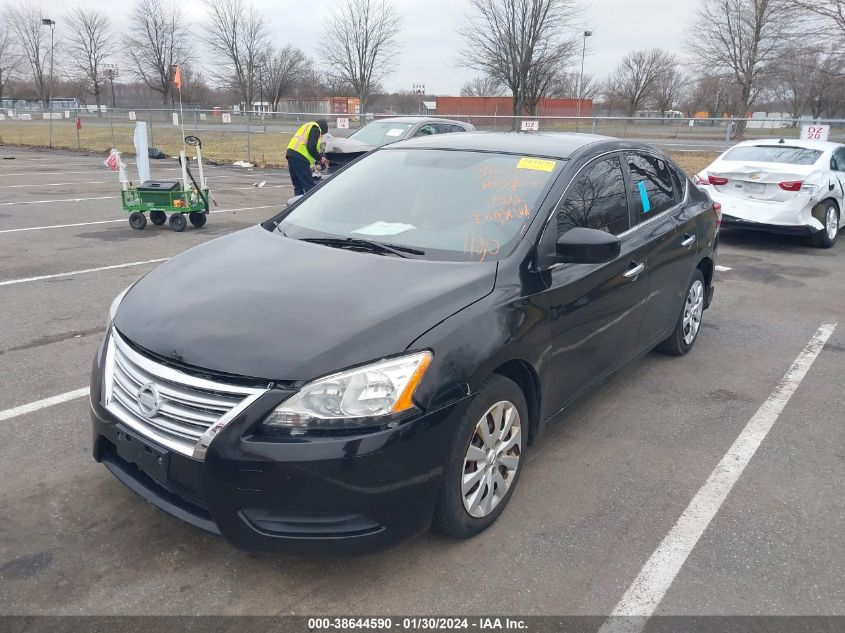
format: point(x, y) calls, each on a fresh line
point(177, 77)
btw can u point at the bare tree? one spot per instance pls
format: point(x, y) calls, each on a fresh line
point(89, 44)
point(670, 86)
point(805, 79)
point(741, 38)
point(362, 39)
point(237, 38)
point(831, 12)
point(158, 40)
point(568, 86)
point(34, 39)
point(637, 77)
point(521, 43)
point(9, 58)
point(482, 86)
point(281, 72)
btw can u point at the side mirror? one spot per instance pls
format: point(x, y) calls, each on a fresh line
point(587, 246)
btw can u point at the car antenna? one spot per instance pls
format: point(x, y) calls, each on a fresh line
point(781, 141)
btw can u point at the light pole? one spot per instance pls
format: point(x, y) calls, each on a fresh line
point(52, 25)
point(111, 73)
point(419, 90)
point(581, 76)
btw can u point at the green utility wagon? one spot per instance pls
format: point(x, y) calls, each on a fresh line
point(174, 198)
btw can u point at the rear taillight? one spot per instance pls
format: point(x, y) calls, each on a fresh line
point(717, 180)
point(717, 209)
point(791, 185)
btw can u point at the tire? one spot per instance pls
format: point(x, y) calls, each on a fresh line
point(197, 219)
point(464, 512)
point(178, 222)
point(137, 220)
point(827, 236)
point(158, 217)
point(686, 330)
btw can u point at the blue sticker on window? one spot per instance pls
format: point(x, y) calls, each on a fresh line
point(644, 196)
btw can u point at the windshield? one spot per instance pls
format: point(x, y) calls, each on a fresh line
point(774, 154)
point(454, 205)
point(380, 133)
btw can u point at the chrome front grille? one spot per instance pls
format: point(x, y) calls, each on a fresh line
point(177, 410)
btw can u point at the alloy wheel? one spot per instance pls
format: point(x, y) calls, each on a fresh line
point(831, 223)
point(492, 459)
point(693, 309)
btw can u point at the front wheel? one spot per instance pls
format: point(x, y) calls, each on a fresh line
point(827, 236)
point(178, 222)
point(689, 322)
point(484, 460)
point(137, 220)
point(197, 218)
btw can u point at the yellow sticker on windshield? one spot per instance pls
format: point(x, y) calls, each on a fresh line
point(537, 164)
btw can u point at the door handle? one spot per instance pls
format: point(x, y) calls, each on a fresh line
point(688, 241)
point(633, 273)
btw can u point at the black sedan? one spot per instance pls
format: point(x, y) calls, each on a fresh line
point(379, 357)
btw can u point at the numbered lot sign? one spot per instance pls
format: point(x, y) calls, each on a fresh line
point(342, 123)
point(203, 116)
point(815, 132)
point(175, 118)
point(530, 126)
point(131, 115)
point(227, 118)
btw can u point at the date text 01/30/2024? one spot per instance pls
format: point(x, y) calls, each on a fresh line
point(416, 623)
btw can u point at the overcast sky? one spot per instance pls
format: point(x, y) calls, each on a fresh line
point(431, 46)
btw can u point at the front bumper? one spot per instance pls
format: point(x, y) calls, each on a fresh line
point(324, 495)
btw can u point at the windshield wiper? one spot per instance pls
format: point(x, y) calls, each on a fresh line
point(374, 247)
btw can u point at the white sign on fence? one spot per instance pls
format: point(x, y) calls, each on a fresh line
point(227, 117)
point(815, 132)
point(176, 118)
point(530, 126)
point(342, 123)
point(2, 117)
point(67, 114)
point(203, 116)
point(131, 115)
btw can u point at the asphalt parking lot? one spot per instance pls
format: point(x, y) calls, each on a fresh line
point(597, 499)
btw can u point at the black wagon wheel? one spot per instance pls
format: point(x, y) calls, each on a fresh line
point(178, 222)
point(137, 220)
point(197, 218)
point(158, 217)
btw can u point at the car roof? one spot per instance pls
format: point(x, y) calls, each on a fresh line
point(416, 119)
point(823, 146)
point(561, 145)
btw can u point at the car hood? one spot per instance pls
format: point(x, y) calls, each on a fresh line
point(260, 305)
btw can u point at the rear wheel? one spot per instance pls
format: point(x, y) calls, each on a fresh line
point(197, 219)
point(137, 220)
point(484, 460)
point(830, 219)
point(158, 217)
point(686, 329)
point(178, 222)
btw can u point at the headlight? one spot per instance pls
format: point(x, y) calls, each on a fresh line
point(115, 305)
point(360, 397)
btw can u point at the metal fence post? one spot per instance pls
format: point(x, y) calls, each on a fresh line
point(728, 129)
point(152, 136)
point(248, 140)
point(594, 125)
point(111, 125)
point(196, 129)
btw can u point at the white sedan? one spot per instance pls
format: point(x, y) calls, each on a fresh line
point(783, 186)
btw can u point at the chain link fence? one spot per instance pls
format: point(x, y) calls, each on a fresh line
point(261, 137)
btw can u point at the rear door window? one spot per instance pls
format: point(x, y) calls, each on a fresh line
point(596, 199)
point(837, 163)
point(654, 189)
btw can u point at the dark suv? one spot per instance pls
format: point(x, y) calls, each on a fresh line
point(379, 356)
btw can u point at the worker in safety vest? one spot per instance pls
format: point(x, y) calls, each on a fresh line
point(304, 151)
